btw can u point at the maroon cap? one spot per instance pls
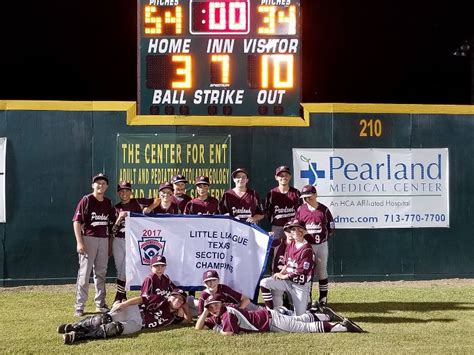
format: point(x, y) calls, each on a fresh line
point(158, 260)
point(239, 170)
point(202, 180)
point(210, 275)
point(178, 178)
point(179, 292)
point(215, 298)
point(124, 185)
point(282, 169)
point(166, 185)
point(307, 191)
point(100, 176)
point(294, 223)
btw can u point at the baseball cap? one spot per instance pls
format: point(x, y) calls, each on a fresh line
point(307, 191)
point(100, 176)
point(239, 170)
point(179, 292)
point(294, 223)
point(158, 260)
point(166, 185)
point(215, 298)
point(282, 169)
point(210, 275)
point(202, 180)
point(178, 178)
point(124, 185)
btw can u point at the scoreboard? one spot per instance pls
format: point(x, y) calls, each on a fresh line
point(219, 57)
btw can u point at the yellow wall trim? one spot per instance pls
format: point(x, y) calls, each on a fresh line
point(243, 121)
point(388, 108)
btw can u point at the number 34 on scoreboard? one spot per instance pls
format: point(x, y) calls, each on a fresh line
point(245, 54)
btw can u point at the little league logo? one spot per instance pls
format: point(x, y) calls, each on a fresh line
point(312, 173)
point(149, 247)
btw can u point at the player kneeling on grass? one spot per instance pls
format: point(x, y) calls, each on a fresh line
point(129, 317)
point(295, 276)
point(230, 320)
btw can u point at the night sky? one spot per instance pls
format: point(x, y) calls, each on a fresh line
point(353, 51)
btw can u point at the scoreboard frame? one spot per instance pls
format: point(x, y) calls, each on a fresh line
point(258, 105)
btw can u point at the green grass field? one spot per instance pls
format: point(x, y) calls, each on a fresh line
point(400, 317)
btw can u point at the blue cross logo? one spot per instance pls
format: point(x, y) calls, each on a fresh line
point(312, 173)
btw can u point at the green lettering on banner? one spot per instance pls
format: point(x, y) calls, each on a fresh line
point(146, 160)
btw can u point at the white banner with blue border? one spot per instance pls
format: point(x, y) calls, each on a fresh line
point(194, 244)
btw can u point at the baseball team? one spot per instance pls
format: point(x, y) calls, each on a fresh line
point(300, 230)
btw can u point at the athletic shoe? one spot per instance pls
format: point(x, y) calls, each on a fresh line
point(65, 328)
point(351, 326)
point(315, 308)
point(103, 309)
point(69, 337)
point(79, 313)
point(333, 316)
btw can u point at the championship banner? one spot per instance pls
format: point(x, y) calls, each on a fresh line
point(3, 154)
point(146, 160)
point(194, 244)
point(378, 188)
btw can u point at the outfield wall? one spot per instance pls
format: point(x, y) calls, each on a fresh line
point(55, 147)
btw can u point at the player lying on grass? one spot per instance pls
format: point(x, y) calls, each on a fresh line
point(210, 279)
point(129, 317)
point(230, 320)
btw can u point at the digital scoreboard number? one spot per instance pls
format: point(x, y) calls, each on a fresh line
point(219, 57)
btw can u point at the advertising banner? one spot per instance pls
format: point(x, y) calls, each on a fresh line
point(193, 245)
point(146, 160)
point(378, 188)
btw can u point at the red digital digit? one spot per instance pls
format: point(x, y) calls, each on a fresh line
point(220, 17)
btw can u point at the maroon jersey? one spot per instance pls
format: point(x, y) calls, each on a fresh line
point(197, 206)
point(230, 295)
point(94, 216)
point(154, 285)
point(236, 320)
point(156, 312)
point(319, 223)
point(299, 262)
point(172, 209)
point(281, 207)
point(240, 207)
point(181, 201)
point(135, 205)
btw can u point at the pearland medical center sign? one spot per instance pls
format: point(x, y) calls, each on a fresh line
point(378, 188)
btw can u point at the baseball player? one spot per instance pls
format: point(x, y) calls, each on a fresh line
point(167, 203)
point(179, 189)
point(92, 221)
point(157, 282)
point(128, 317)
point(281, 204)
point(203, 203)
point(295, 277)
point(126, 205)
point(230, 320)
point(319, 223)
point(241, 202)
point(210, 279)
